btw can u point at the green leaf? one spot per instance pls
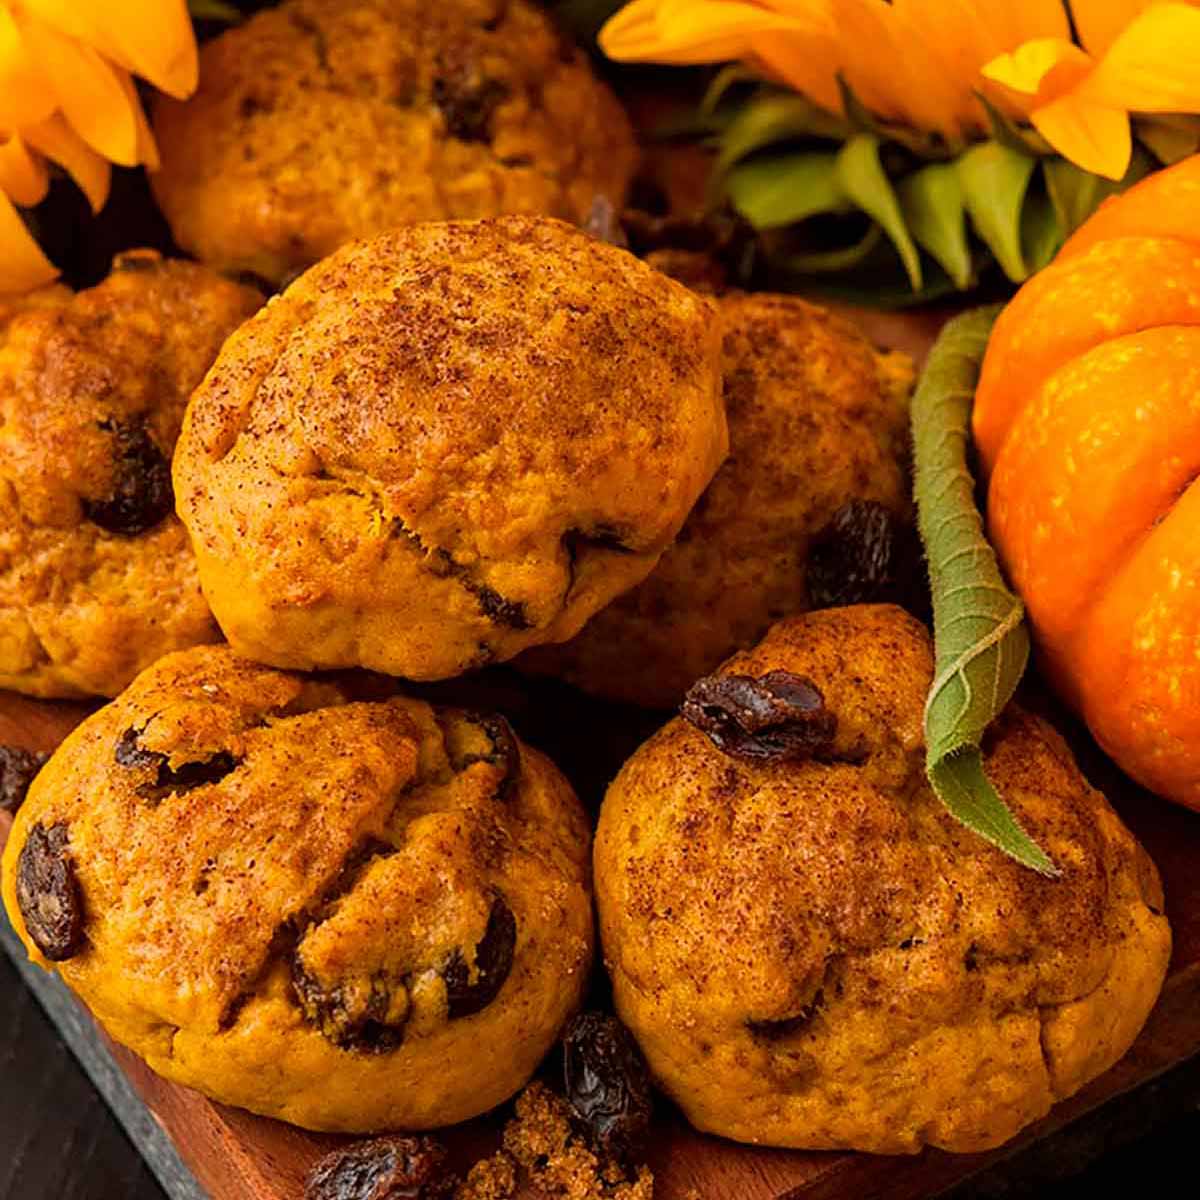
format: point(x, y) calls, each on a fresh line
point(1024, 139)
point(213, 10)
point(1041, 231)
point(981, 643)
point(819, 262)
point(729, 76)
point(772, 117)
point(857, 113)
point(1076, 194)
point(1169, 138)
point(863, 179)
point(932, 203)
point(994, 180)
point(781, 189)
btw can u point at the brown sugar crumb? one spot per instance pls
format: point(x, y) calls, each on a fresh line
point(543, 1155)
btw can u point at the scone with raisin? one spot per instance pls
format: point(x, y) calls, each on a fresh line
point(96, 576)
point(813, 953)
point(811, 508)
point(446, 445)
point(349, 914)
point(321, 121)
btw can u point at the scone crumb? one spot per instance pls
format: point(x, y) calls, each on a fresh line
point(542, 1152)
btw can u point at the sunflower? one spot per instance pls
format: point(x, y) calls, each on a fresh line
point(942, 108)
point(67, 97)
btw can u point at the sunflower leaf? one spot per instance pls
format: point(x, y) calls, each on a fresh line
point(772, 117)
point(819, 262)
point(214, 10)
point(981, 643)
point(779, 190)
point(994, 180)
point(932, 203)
point(1076, 194)
point(1041, 230)
point(729, 76)
point(1169, 138)
point(862, 178)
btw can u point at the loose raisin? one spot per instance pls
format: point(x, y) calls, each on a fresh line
point(141, 493)
point(865, 555)
point(131, 753)
point(17, 769)
point(607, 1085)
point(48, 893)
point(383, 1168)
point(780, 716)
point(493, 961)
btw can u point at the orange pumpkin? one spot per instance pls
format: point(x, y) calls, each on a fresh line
point(1087, 421)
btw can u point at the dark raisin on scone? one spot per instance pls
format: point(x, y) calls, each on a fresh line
point(446, 445)
point(321, 121)
point(812, 952)
point(96, 576)
point(352, 914)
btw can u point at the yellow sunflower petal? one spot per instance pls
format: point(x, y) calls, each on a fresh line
point(1099, 21)
point(1154, 65)
point(23, 176)
point(147, 148)
point(1092, 136)
point(89, 92)
point(807, 62)
point(25, 93)
point(1015, 21)
point(58, 141)
point(152, 39)
point(23, 266)
point(1044, 67)
point(691, 31)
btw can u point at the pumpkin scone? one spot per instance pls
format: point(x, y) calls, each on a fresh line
point(321, 121)
point(813, 953)
point(349, 914)
point(96, 576)
point(814, 488)
point(446, 445)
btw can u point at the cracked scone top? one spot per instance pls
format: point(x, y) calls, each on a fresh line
point(96, 576)
point(352, 915)
point(321, 121)
point(445, 445)
point(817, 419)
point(815, 954)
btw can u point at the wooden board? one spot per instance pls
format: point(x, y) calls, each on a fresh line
point(237, 1156)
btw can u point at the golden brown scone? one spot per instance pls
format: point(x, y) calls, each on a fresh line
point(817, 419)
point(352, 915)
point(813, 953)
point(443, 446)
point(322, 121)
point(96, 577)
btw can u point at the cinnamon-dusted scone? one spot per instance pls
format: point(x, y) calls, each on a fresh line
point(352, 915)
point(818, 433)
point(96, 577)
point(446, 445)
point(321, 121)
point(813, 953)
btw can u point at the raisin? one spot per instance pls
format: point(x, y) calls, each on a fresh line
point(347, 1017)
point(141, 494)
point(865, 555)
point(493, 961)
point(383, 1168)
point(468, 103)
point(607, 1085)
point(48, 893)
point(473, 737)
point(780, 716)
point(130, 752)
point(17, 769)
point(604, 222)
